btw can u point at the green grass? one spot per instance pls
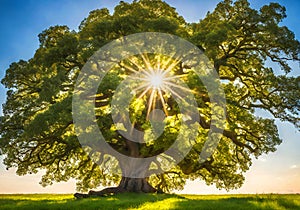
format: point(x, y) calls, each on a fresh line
point(150, 201)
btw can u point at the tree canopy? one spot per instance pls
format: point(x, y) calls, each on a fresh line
point(37, 129)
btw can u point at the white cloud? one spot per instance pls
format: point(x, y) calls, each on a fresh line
point(293, 166)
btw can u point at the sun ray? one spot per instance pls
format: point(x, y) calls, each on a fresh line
point(140, 78)
point(150, 102)
point(142, 86)
point(141, 68)
point(154, 100)
point(166, 63)
point(144, 92)
point(173, 77)
point(163, 102)
point(172, 65)
point(173, 92)
point(178, 86)
point(146, 60)
point(158, 63)
point(130, 68)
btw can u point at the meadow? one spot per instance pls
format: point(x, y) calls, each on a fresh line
point(150, 201)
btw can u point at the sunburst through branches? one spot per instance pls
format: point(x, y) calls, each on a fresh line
point(157, 79)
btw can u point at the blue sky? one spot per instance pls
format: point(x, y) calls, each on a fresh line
point(22, 21)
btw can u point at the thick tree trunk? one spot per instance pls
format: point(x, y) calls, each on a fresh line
point(137, 185)
point(133, 179)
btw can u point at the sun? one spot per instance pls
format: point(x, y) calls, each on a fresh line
point(155, 80)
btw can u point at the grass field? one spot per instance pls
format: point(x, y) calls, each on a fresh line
point(150, 201)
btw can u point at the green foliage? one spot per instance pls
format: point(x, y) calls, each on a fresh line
point(37, 130)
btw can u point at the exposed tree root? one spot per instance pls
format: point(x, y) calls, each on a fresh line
point(126, 185)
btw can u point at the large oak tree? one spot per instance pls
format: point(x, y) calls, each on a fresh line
point(37, 130)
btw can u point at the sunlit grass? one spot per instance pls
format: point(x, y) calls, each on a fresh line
point(35, 197)
point(169, 203)
point(151, 201)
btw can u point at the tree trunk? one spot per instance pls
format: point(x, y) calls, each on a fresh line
point(134, 175)
point(134, 179)
point(137, 185)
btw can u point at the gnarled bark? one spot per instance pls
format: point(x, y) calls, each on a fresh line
point(134, 176)
point(137, 185)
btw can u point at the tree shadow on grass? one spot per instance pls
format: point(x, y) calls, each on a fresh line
point(122, 201)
